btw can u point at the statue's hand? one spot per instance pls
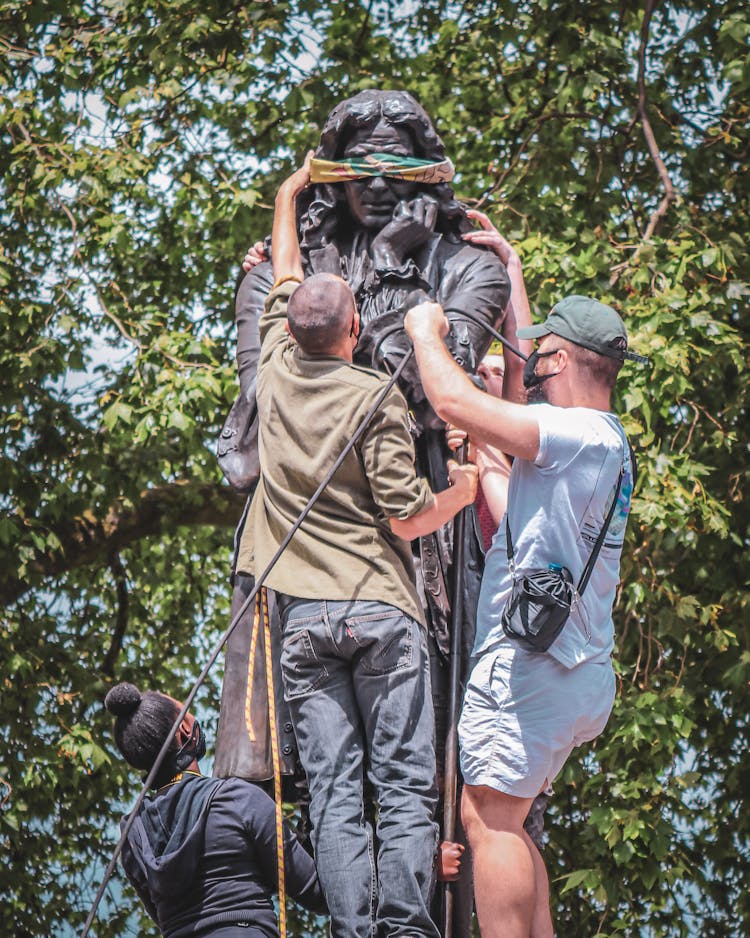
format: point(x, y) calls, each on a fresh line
point(409, 229)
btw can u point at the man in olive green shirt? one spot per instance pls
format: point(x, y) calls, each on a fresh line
point(354, 654)
point(309, 406)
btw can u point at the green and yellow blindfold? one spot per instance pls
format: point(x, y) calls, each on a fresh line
point(381, 164)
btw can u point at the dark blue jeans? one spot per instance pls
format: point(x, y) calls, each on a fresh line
point(356, 677)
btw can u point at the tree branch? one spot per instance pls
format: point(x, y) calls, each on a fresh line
point(88, 540)
point(648, 133)
point(121, 623)
point(653, 148)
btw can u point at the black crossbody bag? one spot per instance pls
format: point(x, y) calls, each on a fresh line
point(541, 600)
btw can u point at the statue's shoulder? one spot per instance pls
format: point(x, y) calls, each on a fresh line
point(463, 254)
point(254, 287)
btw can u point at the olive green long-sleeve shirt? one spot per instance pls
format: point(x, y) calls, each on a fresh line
point(309, 408)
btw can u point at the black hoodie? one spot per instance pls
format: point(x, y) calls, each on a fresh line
point(202, 853)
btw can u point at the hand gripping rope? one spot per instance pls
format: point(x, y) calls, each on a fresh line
point(251, 598)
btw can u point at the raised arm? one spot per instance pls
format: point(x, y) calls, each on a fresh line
point(511, 427)
point(518, 311)
point(258, 814)
point(287, 260)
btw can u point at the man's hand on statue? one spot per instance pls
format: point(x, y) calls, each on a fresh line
point(464, 478)
point(410, 228)
point(456, 438)
point(491, 237)
point(449, 861)
point(425, 321)
point(294, 184)
point(256, 254)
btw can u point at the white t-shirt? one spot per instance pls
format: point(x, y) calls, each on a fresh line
point(556, 508)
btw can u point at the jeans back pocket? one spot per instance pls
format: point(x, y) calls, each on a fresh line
point(302, 670)
point(386, 639)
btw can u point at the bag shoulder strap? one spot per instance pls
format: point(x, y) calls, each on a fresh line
point(588, 569)
point(508, 541)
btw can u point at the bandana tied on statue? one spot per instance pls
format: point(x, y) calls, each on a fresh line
point(381, 164)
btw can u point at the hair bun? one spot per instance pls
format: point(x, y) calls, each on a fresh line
point(123, 699)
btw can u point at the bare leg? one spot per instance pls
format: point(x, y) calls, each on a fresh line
point(541, 925)
point(505, 876)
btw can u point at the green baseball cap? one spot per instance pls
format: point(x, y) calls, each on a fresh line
point(587, 323)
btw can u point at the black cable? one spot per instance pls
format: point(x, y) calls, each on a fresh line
point(222, 641)
point(480, 322)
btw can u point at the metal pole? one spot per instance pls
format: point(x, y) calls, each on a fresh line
point(450, 774)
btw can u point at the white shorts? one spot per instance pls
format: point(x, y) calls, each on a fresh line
point(523, 714)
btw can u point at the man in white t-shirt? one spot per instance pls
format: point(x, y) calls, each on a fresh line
point(524, 712)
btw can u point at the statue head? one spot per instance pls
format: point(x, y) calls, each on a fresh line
point(370, 122)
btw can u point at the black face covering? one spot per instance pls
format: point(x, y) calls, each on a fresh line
point(530, 378)
point(194, 747)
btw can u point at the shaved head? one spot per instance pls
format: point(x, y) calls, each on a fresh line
point(320, 313)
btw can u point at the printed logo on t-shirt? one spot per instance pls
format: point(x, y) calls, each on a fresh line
point(616, 531)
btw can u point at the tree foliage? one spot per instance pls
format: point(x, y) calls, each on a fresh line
point(140, 146)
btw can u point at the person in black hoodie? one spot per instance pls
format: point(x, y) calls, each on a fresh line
point(201, 853)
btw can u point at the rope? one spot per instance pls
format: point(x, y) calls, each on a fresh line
point(262, 604)
point(250, 670)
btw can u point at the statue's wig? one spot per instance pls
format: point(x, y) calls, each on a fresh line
point(323, 208)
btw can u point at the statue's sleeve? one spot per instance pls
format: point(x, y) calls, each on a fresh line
point(237, 447)
point(472, 280)
point(249, 302)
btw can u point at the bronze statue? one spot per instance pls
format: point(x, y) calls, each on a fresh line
point(388, 237)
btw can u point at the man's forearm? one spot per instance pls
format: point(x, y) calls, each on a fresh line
point(509, 426)
point(447, 504)
point(449, 389)
point(287, 260)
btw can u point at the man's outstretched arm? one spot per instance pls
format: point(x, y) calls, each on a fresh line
point(287, 260)
point(287, 264)
point(446, 504)
point(511, 427)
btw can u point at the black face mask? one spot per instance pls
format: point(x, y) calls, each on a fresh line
point(530, 378)
point(194, 747)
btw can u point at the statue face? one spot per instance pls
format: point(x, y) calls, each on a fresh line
point(372, 201)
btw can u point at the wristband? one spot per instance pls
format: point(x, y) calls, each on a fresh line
point(277, 283)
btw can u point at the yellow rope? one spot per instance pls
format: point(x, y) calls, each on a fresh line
point(263, 604)
point(250, 671)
